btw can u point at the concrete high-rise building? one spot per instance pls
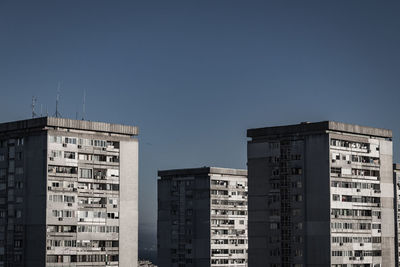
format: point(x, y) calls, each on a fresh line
point(396, 181)
point(68, 193)
point(202, 217)
point(321, 194)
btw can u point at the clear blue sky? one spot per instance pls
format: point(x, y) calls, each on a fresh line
point(194, 75)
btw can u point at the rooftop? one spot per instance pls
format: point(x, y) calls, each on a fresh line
point(318, 127)
point(43, 122)
point(202, 170)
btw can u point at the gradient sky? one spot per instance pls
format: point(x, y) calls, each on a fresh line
point(194, 75)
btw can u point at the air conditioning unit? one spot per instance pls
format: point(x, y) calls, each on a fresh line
point(358, 190)
point(361, 258)
point(349, 162)
point(79, 146)
point(49, 188)
point(81, 219)
point(361, 244)
point(51, 159)
point(333, 160)
point(60, 219)
point(64, 145)
point(340, 244)
point(69, 204)
point(48, 248)
point(379, 230)
point(104, 149)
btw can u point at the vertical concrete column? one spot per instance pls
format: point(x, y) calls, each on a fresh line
point(128, 221)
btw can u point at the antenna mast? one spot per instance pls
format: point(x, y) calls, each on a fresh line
point(57, 114)
point(33, 106)
point(84, 105)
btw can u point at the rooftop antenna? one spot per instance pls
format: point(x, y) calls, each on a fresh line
point(41, 110)
point(84, 105)
point(57, 114)
point(34, 99)
point(47, 112)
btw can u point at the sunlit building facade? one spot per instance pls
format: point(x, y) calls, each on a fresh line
point(68, 193)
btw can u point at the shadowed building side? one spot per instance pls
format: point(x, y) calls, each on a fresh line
point(320, 194)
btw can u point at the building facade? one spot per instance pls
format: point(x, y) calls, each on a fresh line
point(68, 193)
point(202, 217)
point(321, 194)
point(396, 181)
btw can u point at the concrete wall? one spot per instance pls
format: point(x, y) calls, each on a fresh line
point(201, 221)
point(258, 220)
point(35, 169)
point(317, 200)
point(128, 228)
point(387, 200)
point(164, 223)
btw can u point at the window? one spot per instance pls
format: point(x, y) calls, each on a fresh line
point(55, 139)
point(20, 141)
point(99, 143)
point(85, 157)
point(84, 142)
point(69, 140)
point(56, 153)
point(3, 173)
point(62, 169)
point(19, 170)
point(99, 157)
point(18, 213)
point(85, 173)
point(69, 155)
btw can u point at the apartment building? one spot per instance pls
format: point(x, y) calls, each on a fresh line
point(202, 217)
point(68, 193)
point(321, 194)
point(396, 181)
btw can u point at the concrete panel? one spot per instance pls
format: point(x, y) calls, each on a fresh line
point(128, 243)
point(36, 186)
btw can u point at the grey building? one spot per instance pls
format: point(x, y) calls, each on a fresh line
point(68, 193)
point(321, 194)
point(202, 217)
point(396, 181)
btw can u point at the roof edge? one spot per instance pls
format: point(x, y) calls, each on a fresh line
point(316, 127)
point(42, 122)
point(202, 170)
